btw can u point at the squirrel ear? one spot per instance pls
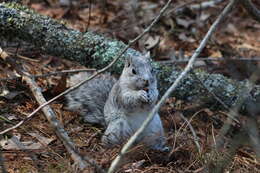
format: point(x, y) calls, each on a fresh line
point(147, 55)
point(128, 61)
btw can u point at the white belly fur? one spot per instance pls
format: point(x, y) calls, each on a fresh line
point(135, 120)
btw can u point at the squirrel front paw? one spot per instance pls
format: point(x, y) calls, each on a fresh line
point(143, 95)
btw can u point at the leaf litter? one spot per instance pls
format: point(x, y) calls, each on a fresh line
point(123, 21)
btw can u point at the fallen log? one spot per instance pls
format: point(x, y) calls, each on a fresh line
point(96, 51)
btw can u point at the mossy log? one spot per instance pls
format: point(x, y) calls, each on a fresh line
point(94, 50)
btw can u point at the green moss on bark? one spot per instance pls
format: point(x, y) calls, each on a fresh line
point(94, 50)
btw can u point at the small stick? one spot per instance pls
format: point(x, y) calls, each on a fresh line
point(58, 128)
point(23, 57)
point(193, 133)
point(185, 60)
point(205, 5)
point(53, 73)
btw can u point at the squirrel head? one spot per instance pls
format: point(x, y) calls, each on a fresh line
point(138, 73)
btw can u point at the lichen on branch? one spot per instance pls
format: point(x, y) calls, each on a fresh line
point(96, 51)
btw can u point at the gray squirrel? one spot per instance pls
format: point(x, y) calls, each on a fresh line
point(121, 105)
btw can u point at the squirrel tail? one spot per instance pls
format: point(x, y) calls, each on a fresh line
point(90, 98)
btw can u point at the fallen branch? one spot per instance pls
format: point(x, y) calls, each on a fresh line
point(57, 126)
point(52, 74)
point(137, 134)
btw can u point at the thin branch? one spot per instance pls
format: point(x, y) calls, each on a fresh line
point(178, 132)
point(179, 7)
point(131, 42)
point(251, 9)
point(89, 15)
point(52, 73)
point(205, 5)
point(193, 133)
point(173, 87)
point(32, 155)
point(23, 57)
point(185, 60)
point(215, 96)
point(213, 135)
point(57, 126)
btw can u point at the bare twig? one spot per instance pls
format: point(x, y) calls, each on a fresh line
point(89, 15)
point(23, 57)
point(185, 60)
point(178, 132)
point(53, 73)
point(251, 9)
point(32, 155)
point(193, 133)
point(174, 85)
point(205, 5)
point(58, 128)
point(179, 7)
point(213, 136)
point(215, 96)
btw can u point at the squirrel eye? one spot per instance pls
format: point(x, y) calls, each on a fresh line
point(133, 71)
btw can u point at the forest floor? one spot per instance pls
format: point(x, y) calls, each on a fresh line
point(176, 35)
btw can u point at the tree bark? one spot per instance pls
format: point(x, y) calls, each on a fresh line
point(96, 51)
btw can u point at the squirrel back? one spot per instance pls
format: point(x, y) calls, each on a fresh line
point(90, 98)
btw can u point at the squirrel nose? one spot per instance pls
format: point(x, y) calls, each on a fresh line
point(146, 83)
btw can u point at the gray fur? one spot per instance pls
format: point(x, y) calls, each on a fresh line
point(90, 98)
point(126, 105)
